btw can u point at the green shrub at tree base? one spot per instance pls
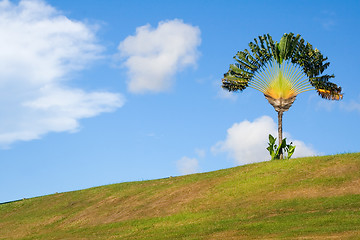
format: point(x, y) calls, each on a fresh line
point(276, 151)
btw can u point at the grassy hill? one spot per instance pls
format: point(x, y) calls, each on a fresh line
point(303, 198)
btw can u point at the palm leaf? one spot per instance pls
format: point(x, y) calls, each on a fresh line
point(255, 67)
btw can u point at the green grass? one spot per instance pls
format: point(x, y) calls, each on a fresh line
point(303, 198)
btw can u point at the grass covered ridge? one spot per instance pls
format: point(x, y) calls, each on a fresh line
point(303, 198)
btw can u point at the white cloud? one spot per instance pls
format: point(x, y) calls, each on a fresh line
point(39, 50)
point(302, 149)
point(154, 56)
point(187, 165)
point(246, 142)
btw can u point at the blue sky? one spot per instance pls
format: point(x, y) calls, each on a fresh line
point(101, 92)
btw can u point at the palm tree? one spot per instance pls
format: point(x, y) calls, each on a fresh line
point(281, 71)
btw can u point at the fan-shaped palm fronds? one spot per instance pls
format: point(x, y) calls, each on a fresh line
point(281, 71)
point(291, 57)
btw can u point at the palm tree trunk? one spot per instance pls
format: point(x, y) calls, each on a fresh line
point(280, 114)
point(280, 105)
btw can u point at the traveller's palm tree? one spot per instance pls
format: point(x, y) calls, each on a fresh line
point(281, 71)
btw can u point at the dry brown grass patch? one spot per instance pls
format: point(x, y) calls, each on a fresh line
point(170, 200)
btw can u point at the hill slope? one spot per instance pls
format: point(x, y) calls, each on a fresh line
point(304, 198)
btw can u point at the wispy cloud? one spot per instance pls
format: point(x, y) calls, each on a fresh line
point(39, 50)
point(326, 104)
point(187, 165)
point(327, 19)
point(201, 153)
point(226, 95)
point(352, 105)
point(246, 141)
point(222, 93)
point(154, 56)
